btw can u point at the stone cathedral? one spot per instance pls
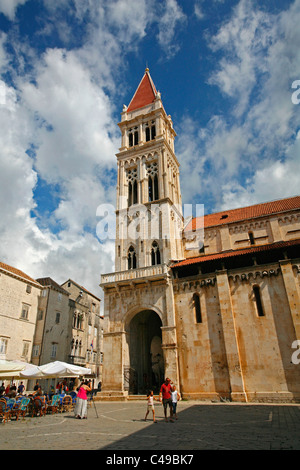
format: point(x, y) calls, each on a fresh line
point(212, 302)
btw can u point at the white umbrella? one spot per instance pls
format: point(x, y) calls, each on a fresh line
point(34, 372)
point(55, 369)
point(9, 369)
point(63, 369)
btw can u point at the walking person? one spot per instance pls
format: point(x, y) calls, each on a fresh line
point(80, 409)
point(165, 397)
point(150, 405)
point(175, 396)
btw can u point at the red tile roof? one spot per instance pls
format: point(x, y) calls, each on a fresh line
point(240, 252)
point(250, 212)
point(145, 93)
point(18, 273)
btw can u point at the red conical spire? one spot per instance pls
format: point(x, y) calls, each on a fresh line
point(145, 93)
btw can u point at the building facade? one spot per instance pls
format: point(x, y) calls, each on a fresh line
point(68, 326)
point(213, 304)
point(86, 329)
point(19, 295)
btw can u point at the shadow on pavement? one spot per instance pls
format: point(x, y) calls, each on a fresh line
point(221, 427)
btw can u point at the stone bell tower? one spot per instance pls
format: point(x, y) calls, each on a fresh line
point(149, 214)
point(140, 337)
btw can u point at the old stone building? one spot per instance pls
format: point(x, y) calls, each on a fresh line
point(68, 326)
point(87, 325)
point(19, 294)
point(213, 303)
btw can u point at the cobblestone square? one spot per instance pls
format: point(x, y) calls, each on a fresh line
point(120, 426)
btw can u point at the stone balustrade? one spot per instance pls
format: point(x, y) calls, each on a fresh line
point(158, 271)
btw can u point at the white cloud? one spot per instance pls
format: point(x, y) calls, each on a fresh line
point(76, 130)
point(9, 7)
point(276, 181)
point(169, 21)
point(198, 10)
point(250, 155)
point(62, 110)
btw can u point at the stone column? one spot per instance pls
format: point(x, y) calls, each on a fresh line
point(113, 362)
point(292, 293)
point(230, 338)
point(169, 338)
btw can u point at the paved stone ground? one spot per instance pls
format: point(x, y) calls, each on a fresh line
point(120, 426)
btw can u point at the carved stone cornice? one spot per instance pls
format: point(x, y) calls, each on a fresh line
point(254, 274)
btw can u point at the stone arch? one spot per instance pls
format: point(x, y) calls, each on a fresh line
point(139, 308)
point(144, 364)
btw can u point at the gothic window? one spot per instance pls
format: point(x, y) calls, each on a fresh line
point(150, 131)
point(131, 258)
point(132, 186)
point(197, 308)
point(152, 172)
point(133, 137)
point(155, 254)
point(258, 301)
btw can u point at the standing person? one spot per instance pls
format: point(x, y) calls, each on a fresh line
point(150, 405)
point(21, 388)
point(175, 396)
point(80, 410)
point(165, 397)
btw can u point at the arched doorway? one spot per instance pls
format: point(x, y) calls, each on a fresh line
point(146, 364)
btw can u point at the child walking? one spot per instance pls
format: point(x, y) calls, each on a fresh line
point(150, 405)
point(175, 396)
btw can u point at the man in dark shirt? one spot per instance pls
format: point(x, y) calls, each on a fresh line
point(165, 397)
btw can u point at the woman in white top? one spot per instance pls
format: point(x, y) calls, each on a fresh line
point(175, 396)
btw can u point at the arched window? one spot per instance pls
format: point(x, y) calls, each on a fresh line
point(258, 301)
point(155, 254)
point(132, 186)
point(131, 258)
point(197, 308)
point(133, 137)
point(153, 182)
point(150, 131)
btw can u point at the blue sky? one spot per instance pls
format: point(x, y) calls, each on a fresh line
point(225, 70)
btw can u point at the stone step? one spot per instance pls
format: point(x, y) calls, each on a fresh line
point(110, 396)
point(137, 397)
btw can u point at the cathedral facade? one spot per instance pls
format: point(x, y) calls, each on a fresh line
point(212, 302)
